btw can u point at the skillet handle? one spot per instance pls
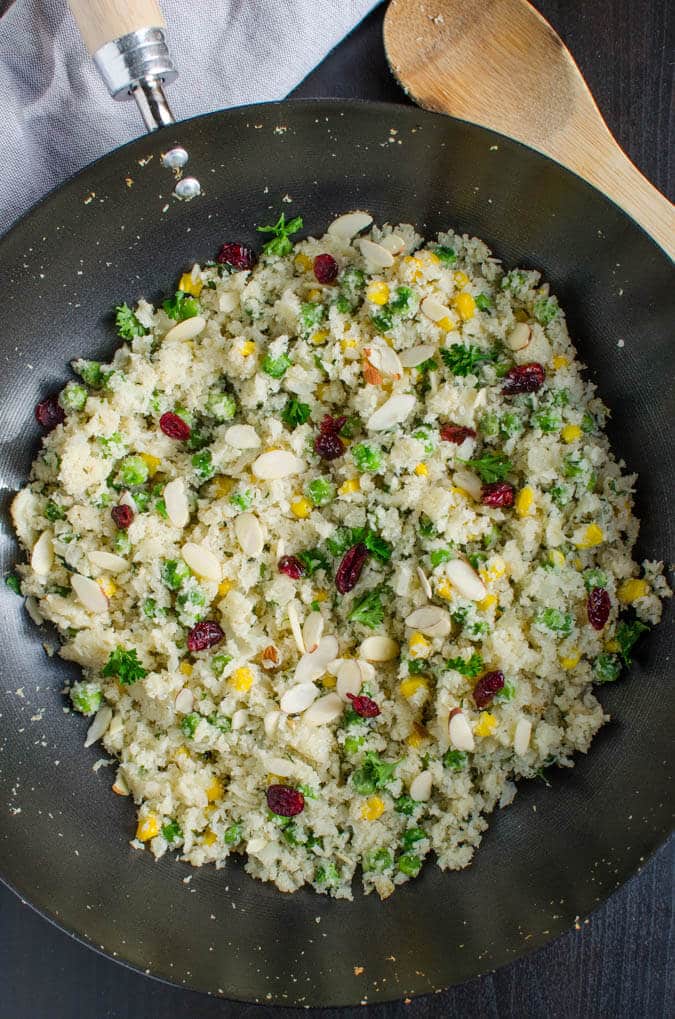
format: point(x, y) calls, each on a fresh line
point(127, 42)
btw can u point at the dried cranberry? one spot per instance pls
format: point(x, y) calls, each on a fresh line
point(203, 635)
point(524, 378)
point(349, 570)
point(486, 687)
point(325, 268)
point(328, 443)
point(174, 426)
point(237, 255)
point(364, 706)
point(291, 566)
point(598, 605)
point(123, 516)
point(457, 433)
point(49, 413)
point(285, 801)
point(499, 493)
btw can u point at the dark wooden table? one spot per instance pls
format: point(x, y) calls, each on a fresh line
point(619, 963)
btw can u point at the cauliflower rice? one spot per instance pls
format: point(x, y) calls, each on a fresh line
point(393, 552)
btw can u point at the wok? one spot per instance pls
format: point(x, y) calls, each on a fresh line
point(560, 849)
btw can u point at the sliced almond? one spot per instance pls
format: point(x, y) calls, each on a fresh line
point(176, 502)
point(89, 593)
point(420, 787)
point(108, 561)
point(375, 255)
point(349, 678)
point(462, 575)
point(393, 243)
point(239, 718)
point(296, 630)
point(426, 586)
point(187, 329)
point(434, 309)
point(42, 556)
point(280, 766)
point(242, 437)
point(298, 698)
point(271, 722)
point(520, 336)
point(432, 620)
point(460, 732)
point(521, 739)
point(468, 482)
point(202, 561)
point(348, 226)
point(120, 786)
point(313, 665)
point(270, 657)
point(384, 359)
point(395, 410)
point(311, 631)
point(184, 701)
point(278, 463)
point(379, 649)
point(415, 356)
point(102, 720)
point(324, 711)
point(127, 499)
point(249, 534)
point(367, 670)
point(33, 610)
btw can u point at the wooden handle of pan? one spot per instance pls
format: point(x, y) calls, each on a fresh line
point(101, 21)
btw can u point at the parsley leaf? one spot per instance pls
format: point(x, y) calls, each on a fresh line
point(491, 466)
point(181, 306)
point(470, 667)
point(127, 324)
point(12, 582)
point(172, 831)
point(380, 548)
point(626, 636)
point(368, 610)
point(373, 774)
point(465, 360)
point(281, 244)
point(313, 559)
point(125, 666)
point(295, 413)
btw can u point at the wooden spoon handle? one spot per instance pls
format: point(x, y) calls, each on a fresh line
point(101, 21)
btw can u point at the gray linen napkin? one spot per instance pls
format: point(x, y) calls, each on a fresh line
point(56, 115)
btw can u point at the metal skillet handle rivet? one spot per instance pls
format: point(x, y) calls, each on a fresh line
point(176, 158)
point(187, 188)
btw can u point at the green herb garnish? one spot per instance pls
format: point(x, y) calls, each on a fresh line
point(280, 243)
point(126, 324)
point(125, 666)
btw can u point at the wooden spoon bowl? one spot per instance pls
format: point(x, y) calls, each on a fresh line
point(500, 64)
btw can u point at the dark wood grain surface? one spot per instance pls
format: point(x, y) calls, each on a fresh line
point(619, 963)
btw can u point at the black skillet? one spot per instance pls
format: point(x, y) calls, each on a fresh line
point(561, 848)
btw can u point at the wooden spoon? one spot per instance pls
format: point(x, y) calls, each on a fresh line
point(499, 63)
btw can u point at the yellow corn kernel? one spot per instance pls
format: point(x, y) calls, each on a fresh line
point(461, 492)
point(460, 278)
point(592, 536)
point(429, 256)
point(321, 390)
point(214, 790)
point(444, 589)
point(182, 752)
point(556, 558)
point(377, 292)
point(560, 361)
point(303, 262)
point(571, 660)
point(486, 725)
point(417, 737)
point(185, 668)
point(247, 348)
point(348, 344)
point(242, 679)
point(328, 681)
point(319, 337)
point(487, 602)
point(571, 433)
point(107, 585)
point(314, 294)
point(151, 462)
point(578, 565)
point(630, 590)
point(321, 595)
point(524, 501)
point(373, 808)
point(222, 486)
point(349, 486)
point(418, 645)
point(190, 286)
point(410, 686)
point(147, 827)
point(209, 837)
point(464, 305)
point(224, 587)
point(301, 508)
point(421, 470)
point(613, 646)
point(413, 260)
point(496, 567)
point(446, 324)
